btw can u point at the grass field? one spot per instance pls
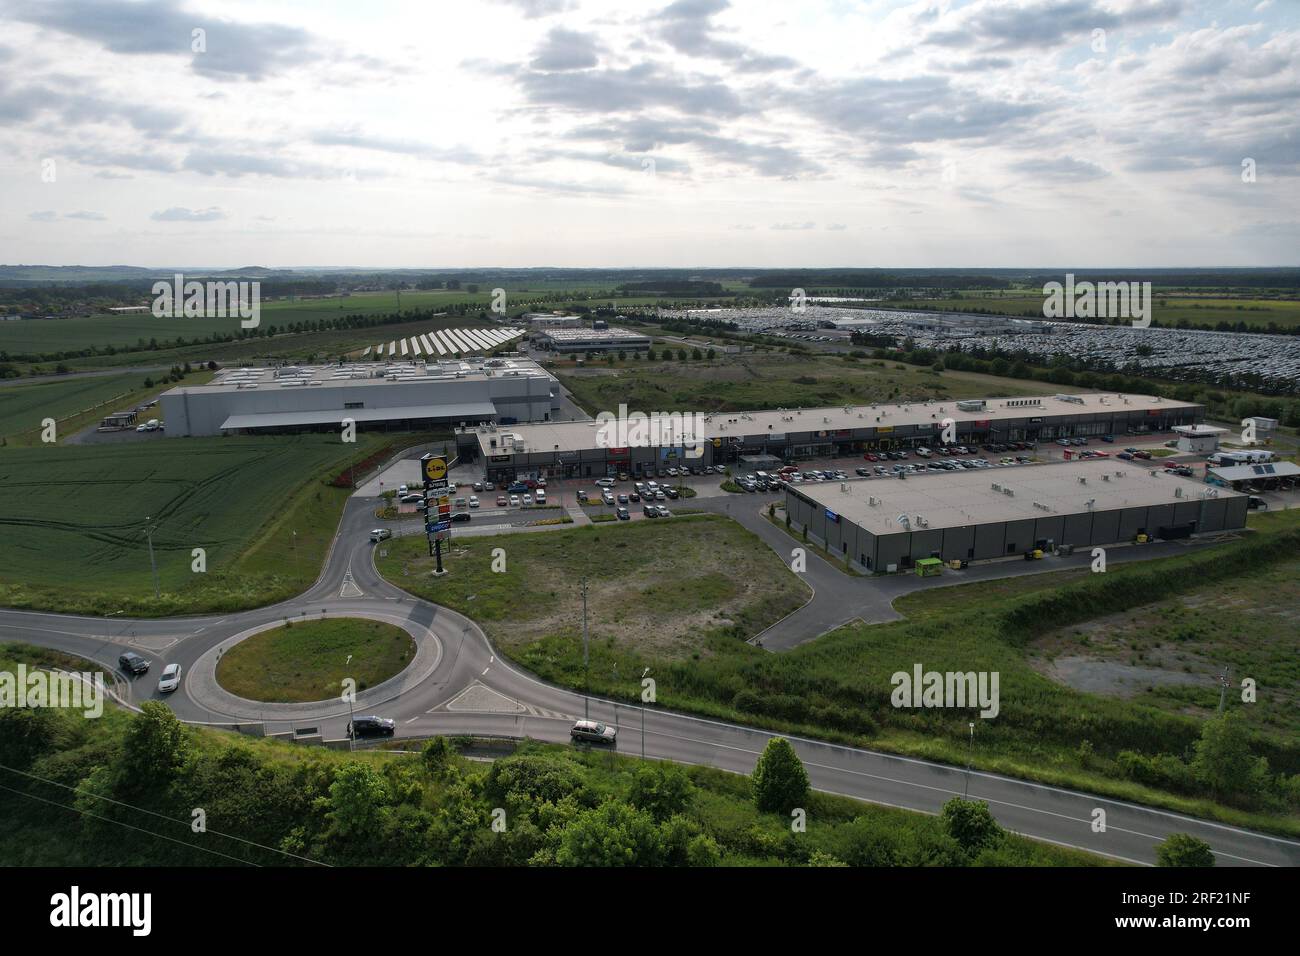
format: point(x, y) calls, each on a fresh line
point(73, 523)
point(768, 380)
point(1170, 310)
point(309, 660)
point(671, 590)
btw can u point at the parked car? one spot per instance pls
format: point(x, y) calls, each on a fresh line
point(671, 493)
point(663, 511)
point(380, 534)
point(170, 680)
point(517, 488)
point(502, 501)
point(623, 514)
point(473, 501)
point(592, 731)
point(371, 727)
point(514, 501)
point(133, 663)
point(526, 500)
point(623, 499)
point(633, 496)
point(411, 499)
point(478, 486)
point(606, 482)
point(540, 496)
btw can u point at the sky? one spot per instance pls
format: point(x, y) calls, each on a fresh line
point(700, 133)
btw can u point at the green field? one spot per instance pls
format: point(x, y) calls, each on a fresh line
point(23, 406)
point(72, 527)
point(675, 589)
point(309, 660)
point(769, 380)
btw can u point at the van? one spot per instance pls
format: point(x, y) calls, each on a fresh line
point(540, 496)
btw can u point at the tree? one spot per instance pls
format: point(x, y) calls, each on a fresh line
point(613, 834)
point(779, 781)
point(1223, 761)
point(661, 791)
point(356, 803)
point(155, 747)
point(970, 823)
point(437, 756)
point(1182, 849)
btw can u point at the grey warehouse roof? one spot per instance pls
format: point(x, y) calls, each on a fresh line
point(473, 411)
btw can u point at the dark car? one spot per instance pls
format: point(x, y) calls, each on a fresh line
point(623, 514)
point(518, 488)
point(672, 493)
point(461, 516)
point(133, 663)
point(371, 727)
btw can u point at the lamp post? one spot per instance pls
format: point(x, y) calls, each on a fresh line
point(643, 673)
point(148, 533)
point(352, 730)
point(586, 700)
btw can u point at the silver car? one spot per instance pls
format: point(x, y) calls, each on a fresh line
point(592, 731)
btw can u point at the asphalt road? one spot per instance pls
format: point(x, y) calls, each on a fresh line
point(458, 684)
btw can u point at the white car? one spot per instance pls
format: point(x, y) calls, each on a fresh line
point(473, 501)
point(528, 499)
point(380, 534)
point(605, 482)
point(170, 680)
point(540, 497)
point(514, 501)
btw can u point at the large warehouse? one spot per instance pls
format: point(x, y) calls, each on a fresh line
point(408, 395)
point(888, 524)
point(574, 449)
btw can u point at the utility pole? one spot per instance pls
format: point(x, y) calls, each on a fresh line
point(148, 533)
point(970, 755)
point(586, 684)
point(643, 673)
point(1223, 687)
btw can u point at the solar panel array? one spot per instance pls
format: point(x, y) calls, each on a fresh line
point(444, 342)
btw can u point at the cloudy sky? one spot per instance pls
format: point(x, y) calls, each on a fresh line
point(696, 133)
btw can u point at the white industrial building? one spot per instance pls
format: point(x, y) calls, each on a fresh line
point(408, 395)
point(1198, 439)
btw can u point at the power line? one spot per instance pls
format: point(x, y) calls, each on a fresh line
point(64, 806)
point(161, 816)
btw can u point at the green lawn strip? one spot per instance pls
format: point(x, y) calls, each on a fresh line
point(309, 660)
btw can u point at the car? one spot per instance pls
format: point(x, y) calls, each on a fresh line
point(461, 516)
point(633, 496)
point(380, 534)
point(862, 472)
point(650, 511)
point(461, 503)
point(170, 680)
point(581, 495)
point(489, 486)
point(371, 726)
point(502, 501)
point(623, 514)
point(671, 493)
point(473, 501)
point(923, 452)
point(639, 487)
point(478, 486)
point(518, 488)
point(514, 501)
point(526, 500)
point(402, 489)
point(133, 663)
point(622, 476)
point(607, 497)
point(871, 456)
point(1126, 455)
point(540, 483)
point(672, 472)
point(606, 482)
point(412, 499)
point(1108, 438)
point(623, 499)
point(663, 511)
point(540, 496)
point(593, 731)
point(1130, 450)
point(659, 495)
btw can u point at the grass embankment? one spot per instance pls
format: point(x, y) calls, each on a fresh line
point(294, 806)
point(839, 686)
point(74, 520)
point(310, 660)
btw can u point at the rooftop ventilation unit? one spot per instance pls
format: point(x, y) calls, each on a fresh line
point(1074, 399)
point(971, 405)
point(873, 501)
point(1178, 492)
point(904, 521)
point(1083, 480)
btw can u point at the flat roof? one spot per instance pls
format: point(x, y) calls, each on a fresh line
point(333, 416)
point(1195, 431)
point(584, 334)
point(948, 499)
point(360, 374)
point(1263, 469)
point(578, 436)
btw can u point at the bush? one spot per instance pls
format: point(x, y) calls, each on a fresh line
point(779, 781)
point(1182, 849)
point(970, 823)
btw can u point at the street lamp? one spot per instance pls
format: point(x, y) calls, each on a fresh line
point(586, 685)
point(643, 673)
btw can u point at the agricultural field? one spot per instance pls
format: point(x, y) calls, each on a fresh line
point(309, 660)
point(755, 380)
point(72, 527)
point(656, 588)
point(24, 405)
